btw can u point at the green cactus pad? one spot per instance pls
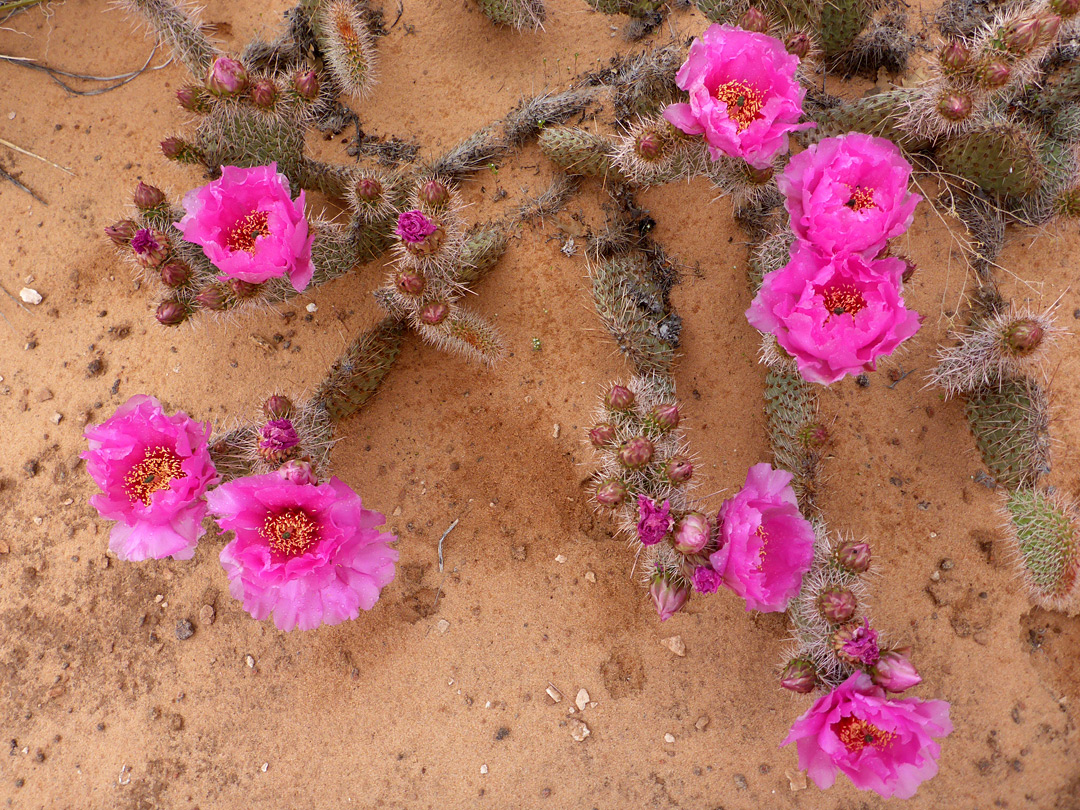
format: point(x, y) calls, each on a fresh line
point(515, 13)
point(356, 375)
point(578, 151)
point(841, 22)
point(482, 250)
point(633, 307)
point(633, 8)
point(791, 411)
point(1003, 159)
point(1048, 545)
point(878, 115)
point(1010, 428)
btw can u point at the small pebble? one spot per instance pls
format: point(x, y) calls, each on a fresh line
point(553, 693)
point(702, 722)
point(578, 730)
point(675, 644)
point(184, 629)
point(442, 626)
point(582, 699)
point(264, 767)
point(947, 564)
point(862, 381)
point(669, 737)
point(207, 615)
point(590, 577)
point(560, 558)
point(56, 418)
point(30, 296)
point(483, 770)
point(250, 661)
point(312, 307)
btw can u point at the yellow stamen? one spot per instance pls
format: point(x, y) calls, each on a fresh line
point(743, 102)
point(159, 468)
point(242, 235)
point(843, 298)
point(855, 733)
point(290, 532)
point(861, 198)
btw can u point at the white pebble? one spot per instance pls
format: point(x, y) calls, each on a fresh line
point(265, 765)
point(483, 770)
point(582, 699)
point(312, 307)
point(30, 296)
point(669, 738)
point(560, 558)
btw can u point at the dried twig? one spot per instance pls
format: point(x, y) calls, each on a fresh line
point(22, 151)
point(4, 175)
point(53, 73)
point(452, 525)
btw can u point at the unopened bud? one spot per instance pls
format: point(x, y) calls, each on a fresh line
point(759, 176)
point(226, 77)
point(434, 193)
point(692, 533)
point(306, 85)
point(753, 20)
point(213, 298)
point(679, 470)
point(150, 247)
point(192, 98)
point(171, 313)
point(602, 435)
point(854, 556)
point(122, 232)
point(611, 492)
point(636, 453)
point(298, 471)
point(434, 313)
point(799, 676)
point(242, 289)
point(277, 407)
point(1023, 337)
point(369, 189)
point(649, 145)
point(837, 605)
point(1021, 36)
point(264, 94)
point(1065, 8)
point(619, 398)
point(668, 597)
point(664, 417)
point(798, 44)
point(147, 197)
point(1049, 26)
point(894, 672)
point(175, 273)
point(179, 150)
point(994, 75)
point(410, 282)
point(954, 57)
point(955, 106)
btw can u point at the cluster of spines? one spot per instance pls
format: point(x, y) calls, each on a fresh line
point(346, 45)
point(1045, 533)
point(179, 30)
point(518, 14)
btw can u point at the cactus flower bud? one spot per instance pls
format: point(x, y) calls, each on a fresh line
point(995, 74)
point(649, 145)
point(664, 417)
point(369, 189)
point(799, 676)
point(619, 398)
point(1023, 337)
point(909, 270)
point(954, 57)
point(306, 85)
point(278, 441)
point(955, 106)
point(856, 644)
point(894, 672)
point(692, 533)
point(175, 273)
point(837, 605)
point(667, 596)
point(434, 313)
point(679, 470)
point(1065, 8)
point(179, 150)
point(213, 298)
point(759, 176)
point(798, 44)
point(277, 407)
point(636, 453)
point(854, 556)
point(148, 197)
point(813, 436)
point(226, 77)
point(150, 247)
point(753, 20)
point(602, 435)
point(297, 471)
point(611, 492)
point(192, 98)
point(171, 313)
point(264, 94)
point(410, 282)
point(122, 232)
point(242, 289)
point(1049, 26)
point(434, 193)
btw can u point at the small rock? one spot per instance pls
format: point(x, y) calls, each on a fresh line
point(264, 767)
point(862, 381)
point(184, 629)
point(582, 699)
point(483, 769)
point(207, 614)
point(4, 547)
point(669, 738)
point(936, 576)
point(176, 722)
point(518, 553)
point(947, 564)
point(675, 644)
point(56, 418)
point(555, 431)
point(30, 296)
point(740, 781)
point(397, 511)
point(702, 722)
point(250, 661)
point(796, 780)
point(590, 577)
point(442, 626)
point(312, 307)
point(578, 730)
point(553, 693)
point(560, 558)
point(44, 395)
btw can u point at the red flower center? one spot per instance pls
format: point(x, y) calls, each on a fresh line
point(843, 298)
point(241, 236)
point(743, 102)
point(855, 733)
point(159, 468)
point(861, 198)
point(290, 532)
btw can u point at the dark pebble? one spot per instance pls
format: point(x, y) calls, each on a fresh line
point(184, 629)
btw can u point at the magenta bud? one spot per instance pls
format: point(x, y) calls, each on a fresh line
point(856, 644)
point(813, 436)
point(692, 533)
point(1022, 35)
point(179, 150)
point(277, 407)
point(147, 197)
point(264, 94)
point(150, 247)
point(894, 672)
point(602, 435)
point(759, 176)
point(1023, 337)
point(798, 44)
point(242, 289)
point(278, 441)
point(1049, 26)
point(175, 273)
point(679, 470)
point(664, 417)
point(434, 193)
point(306, 85)
point(636, 453)
point(122, 232)
point(954, 57)
point(753, 20)
point(369, 189)
point(799, 676)
point(410, 282)
point(668, 597)
point(837, 605)
point(1065, 8)
point(649, 145)
point(213, 298)
point(171, 313)
point(297, 471)
point(226, 77)
point(955, 106)
point(619, 398)
point(191, 98)
point(854, 556)
point(434, 313)
point(611, 492)
point(995, 74)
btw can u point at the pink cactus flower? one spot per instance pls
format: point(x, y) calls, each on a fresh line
point(277, 439)
point(305, 552)
point(250, 227)
point(667, 596)
point(766, 545)
point(413, 227)
point(894, 672)
point(849, 194)
point(835, 315)
point(153, 470)
point(705, 580)
point(654, 522)
point(744, 97)
point(887, 746)
point(857, 644)
point(150, 247)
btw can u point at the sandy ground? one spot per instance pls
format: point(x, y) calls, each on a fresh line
point(437, 698)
